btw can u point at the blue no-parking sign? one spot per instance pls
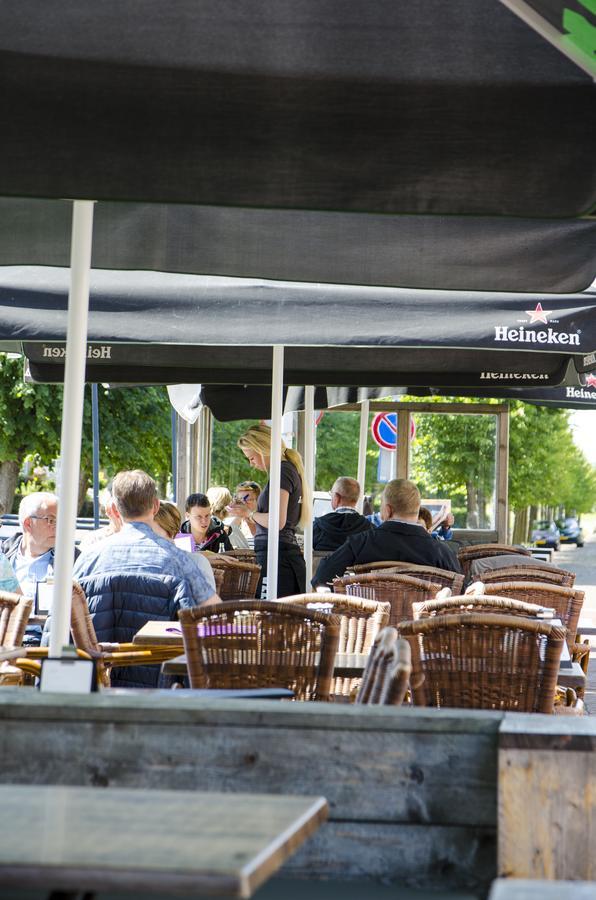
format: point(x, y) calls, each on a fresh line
point(384, 430)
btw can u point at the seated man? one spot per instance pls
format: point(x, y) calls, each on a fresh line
point(136, 549)
point(400, 537)
point(31, 550)
point(331, 531)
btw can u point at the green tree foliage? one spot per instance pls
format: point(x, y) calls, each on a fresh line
point(228, 463)
point(134, 427)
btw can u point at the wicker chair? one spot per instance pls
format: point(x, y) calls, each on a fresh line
point(240, 579)
point(453, 580)
point(476, 603)
point(260, 643)
point(467, 555)
point(484, 661)
point(567, 602)
point(401, 591)
point(106, 655)
point(360, 622)
point(241, 555)
point(15, 610)
point(386, 677)
point(540, 574)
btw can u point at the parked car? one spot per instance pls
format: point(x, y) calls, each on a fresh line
point(571, 531)
point(546, 534)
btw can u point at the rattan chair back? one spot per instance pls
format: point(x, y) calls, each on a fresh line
point(9, 604)
point(484, 661)
point(386, 677)
point(567, 602)
point(243, 554)
point(476, 603)
point(15, 610)
point(528, 573)
point(14, 632)
point(240, 579)
point(452, 580)
point(400, 591)
point(360, 622)
point(467, 555)
point(260, 643)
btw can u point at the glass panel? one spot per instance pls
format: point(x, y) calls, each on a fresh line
point(454, 457)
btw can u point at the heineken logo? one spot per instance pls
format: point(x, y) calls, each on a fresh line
point(526, 335)
point(514, 376)
point(51, 351)
point(574, 393)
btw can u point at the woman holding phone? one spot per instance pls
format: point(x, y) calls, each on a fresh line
point(294, 509)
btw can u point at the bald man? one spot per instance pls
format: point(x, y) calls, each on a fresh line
point(331, 531)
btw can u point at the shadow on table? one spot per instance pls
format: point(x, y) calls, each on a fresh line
point(283, 889)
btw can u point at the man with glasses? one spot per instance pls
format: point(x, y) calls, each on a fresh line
point(31, 550)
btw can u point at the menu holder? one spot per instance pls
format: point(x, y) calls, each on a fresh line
point(68, 675)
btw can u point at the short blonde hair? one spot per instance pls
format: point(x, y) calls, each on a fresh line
point(402, 496)
point(168, 516)
point(258, 439)
point(219, 498)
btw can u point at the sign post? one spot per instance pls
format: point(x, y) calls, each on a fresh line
point(384, 430)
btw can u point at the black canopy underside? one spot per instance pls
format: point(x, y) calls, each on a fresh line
point(473, 253)
point(421, 106)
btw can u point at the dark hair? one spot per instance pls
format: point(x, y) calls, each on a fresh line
point(197, 500)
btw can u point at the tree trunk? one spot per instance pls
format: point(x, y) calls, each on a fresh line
point(520, 525)
point(9, 476)
point(84, 481)
point(472, 518)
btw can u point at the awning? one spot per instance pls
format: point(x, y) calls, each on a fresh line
point(156, 327)
point(469, 253)
point(415, 107)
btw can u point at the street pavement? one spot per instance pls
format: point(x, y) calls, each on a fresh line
point(582, 561)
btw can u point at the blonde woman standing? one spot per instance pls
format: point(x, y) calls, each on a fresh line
point(294, 509)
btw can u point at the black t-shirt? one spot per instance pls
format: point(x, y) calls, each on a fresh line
point(292, 483)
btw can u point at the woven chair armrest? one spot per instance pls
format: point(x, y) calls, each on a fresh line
point(129, 657)
point(12, 652)
point(29, 666)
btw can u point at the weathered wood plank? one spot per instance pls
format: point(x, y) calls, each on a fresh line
point(561, 733)
point(413, 856)
point(180, 707)
point(199, 844)
point(525, 889)
point(547, 814)
point(379, 776)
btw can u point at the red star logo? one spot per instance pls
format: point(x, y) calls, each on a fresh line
point(538, 314)
point(590, 380)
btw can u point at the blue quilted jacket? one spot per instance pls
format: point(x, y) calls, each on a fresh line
point(121, 604)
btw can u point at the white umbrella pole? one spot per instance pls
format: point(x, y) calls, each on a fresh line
point(275, 470)
point(72, 420)
point(362, 441)
point(309, 470)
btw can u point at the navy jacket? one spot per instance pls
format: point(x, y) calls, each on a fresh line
point(398, 541)
point(331, 531)
point(120, 604)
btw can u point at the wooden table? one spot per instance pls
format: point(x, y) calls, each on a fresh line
point(347, 665)
point(191, 843)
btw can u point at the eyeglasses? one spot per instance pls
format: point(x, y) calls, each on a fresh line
point(51, 520)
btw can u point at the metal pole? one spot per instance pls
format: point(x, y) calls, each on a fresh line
point(309, 470)
point(277, 383)
point(362, 442)
point(72, 419)
point(95, 421)
point(174, 455)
